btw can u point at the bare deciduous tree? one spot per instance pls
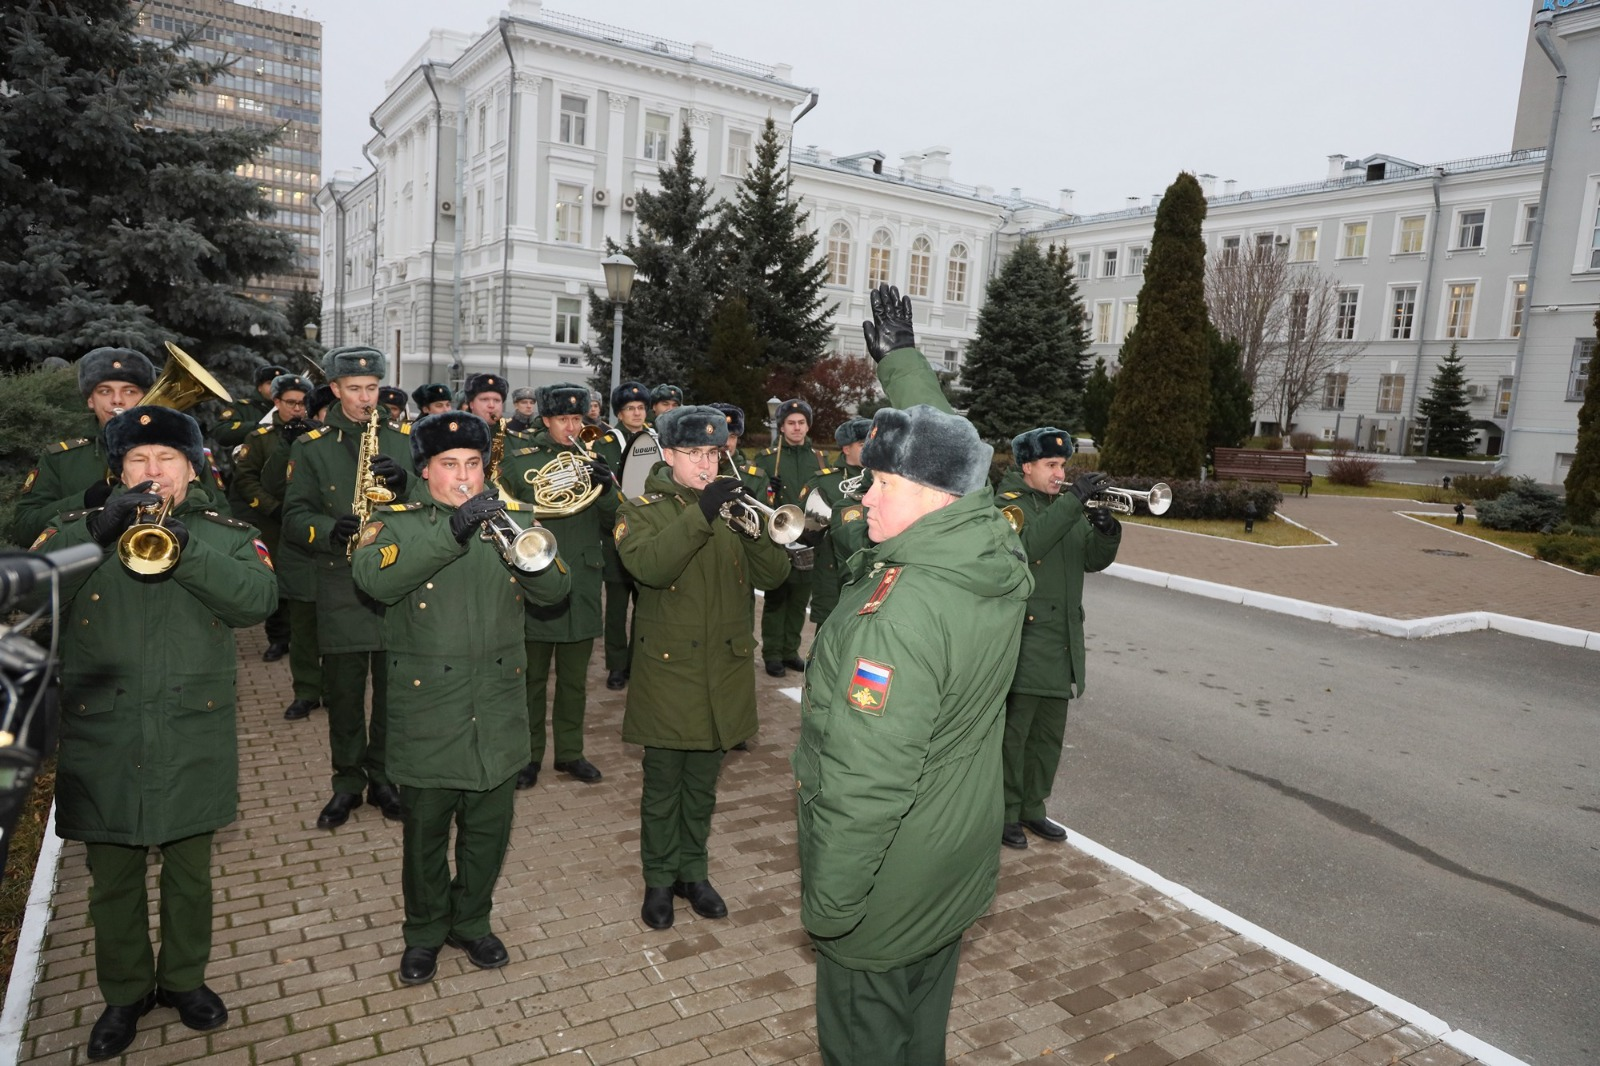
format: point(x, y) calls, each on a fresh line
point(1246, 300)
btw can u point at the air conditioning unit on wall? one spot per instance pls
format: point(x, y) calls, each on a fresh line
point(447, 208)
point(629, 202)
point(601, 197)
point(1478, 392)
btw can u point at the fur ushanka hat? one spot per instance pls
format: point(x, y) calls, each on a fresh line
point(925, 445)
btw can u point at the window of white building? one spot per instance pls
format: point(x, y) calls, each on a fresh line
point(1408, 237)
point(1108, 263)
point(1299, 315)
point(880, 259)
point(1470, 226)
point(955, 276)
point(1582, 364)
point(1230, 249)
point(1130, 318)
point(1305, 244)
point(1353, 245)
point(657, 136)
point(1391, 391)
point(1403, 312)
point(738, 153)
point(568, 320)
point(1102, 321)
point(1530, 219)
point(1459, 298)
point(574, 119)
point(1136, 256)
point(569, 213)
point(1084, 261)
point(838, 254)
point(1502, 403)
point(1518, 295)
point(1344, 316)
point(918, 278)
point(1333, 390)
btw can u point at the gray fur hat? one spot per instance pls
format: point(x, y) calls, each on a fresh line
point(564, 398)
point(432, 434)
point(1046, 442)
point(524, 393)
point(153, 425)
point(115, 364)
point(288, 383)
point(793, 407)
point(852, 431)
point(354, 361)
point(692, 427)
point(666, 394)
point(925, 445)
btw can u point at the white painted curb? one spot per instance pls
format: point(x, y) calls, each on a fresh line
point(25, 965)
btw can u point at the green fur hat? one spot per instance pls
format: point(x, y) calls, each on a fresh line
point(563, 399)
point(852, 431)
point(692, 427)
point(1046, 442)
point(115, 364)
point(354, 361)
point(925, 445)
point(153, 425)
point(290, 383)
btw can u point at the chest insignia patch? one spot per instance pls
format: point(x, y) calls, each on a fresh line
point(620, 530)
point(869, 687)
point(288, 471)
point(881, 593)
point(387, 555)
point(370, 533)
point(46, 535)
point(851, 514)
point(265, 555)
point(33, 475)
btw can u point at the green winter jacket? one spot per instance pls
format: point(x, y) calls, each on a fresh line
point(452, 633)
point(839, 543)
point(149, 751)
point(297, 570)
point(793, 466)
point(249, 498)
point(693, 685)
point(239, 419)
point(1061, 547)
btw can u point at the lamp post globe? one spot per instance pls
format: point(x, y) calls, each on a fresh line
point(618, 270)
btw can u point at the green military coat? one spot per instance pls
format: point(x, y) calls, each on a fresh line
point(792, 466)
point(297, 573)
point(239, 419)
point(826, 571)
point(149, 752)
point(693, 685)
point(452, 632)
point(580, 537)
point(322, 484)
point(251, 500)
point(1061, 547)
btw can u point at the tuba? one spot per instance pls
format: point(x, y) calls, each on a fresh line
point(370, 488)
point(147, 547)
point(183, 383)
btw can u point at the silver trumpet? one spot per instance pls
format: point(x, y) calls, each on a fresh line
point(744, 514)
point(530, 550)
point(1157, 498)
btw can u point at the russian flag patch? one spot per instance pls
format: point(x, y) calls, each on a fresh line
point(869, 687)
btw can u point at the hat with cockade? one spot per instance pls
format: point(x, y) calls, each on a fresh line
point(735, 417)
point(1046, 442)
point(852, 431)
point(115, 364)
point(925, 445)
point(525, 393)
point(666, 394)
point(390, 396)
point(290, 383)
point(433, 392)
point(432, 434)
point(792, 407)
point(629, 392)
point(321, 399)
point(153, 425)
point(264, 374)
point(354, 361)
point(484, 383)
point(564, 398)
point(692, 427)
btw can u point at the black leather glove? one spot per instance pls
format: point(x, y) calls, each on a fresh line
point(1087, 485)
point(600, 473)
point(384, 466)
point(345, 527)
point(774, 490)
point(97, 494)
point(721, 490)
point(296, 428)
point(179, 530)
point(471, 513)
point(107, 524)
point(1103, 521)
point(890, 328)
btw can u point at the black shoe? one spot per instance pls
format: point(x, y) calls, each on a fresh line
point(1012, 836)
point(1044, 827)
point(418, 965)
point(743, 745)
point(657, 909)
point(117, 1026)
point(528, 776)
point(199, 1008)
point(300, 709)
point(798, 665)
point(774, 668)
point(275, 652)
point(580, 768)
point(617, 679)
point(387, 799)
point(337, 812)
point(486, 952)
point(702, 897)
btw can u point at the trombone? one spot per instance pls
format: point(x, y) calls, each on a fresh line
point(148, 547)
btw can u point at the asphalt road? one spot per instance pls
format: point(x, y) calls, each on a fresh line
point(1424, 814)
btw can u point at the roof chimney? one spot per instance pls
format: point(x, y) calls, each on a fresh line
point(702, 51)
point(1133, 202)
point(911, 165)
point(936, 163)
point(1335, 167)
point(1065, 202)
point(1208, 185)
point(1229, 186)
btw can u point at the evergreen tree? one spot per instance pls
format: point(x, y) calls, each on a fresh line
point(1163, 404)
point(1077, 328)
point(1098, 394)
point(732, 371)
point(677, 248)
point(1023, 369)
point(773, 262)
point(1583, 477)
point(114, 229)
point(1445, 407)
point(1232, 406)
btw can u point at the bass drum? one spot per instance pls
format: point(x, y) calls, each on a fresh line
point(641, 456)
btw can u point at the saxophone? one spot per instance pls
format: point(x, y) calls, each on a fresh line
point(370, 488)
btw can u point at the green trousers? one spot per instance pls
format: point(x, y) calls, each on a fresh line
point(1035, 726)
point(356, 745)
point(278, 623)
point(438, 905)
point(784, 616)
point(894, 1018)
point(675, 805)
point(566, 715)
point(619, 653)
point(124, 962)
point(305, 664)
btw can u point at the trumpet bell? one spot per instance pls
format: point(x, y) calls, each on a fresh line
point(530, 550)
point(1159, 498)
point(786, 524)
point(148, 548)
point(183, 383)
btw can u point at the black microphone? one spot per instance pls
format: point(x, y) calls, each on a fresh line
point(21, 571)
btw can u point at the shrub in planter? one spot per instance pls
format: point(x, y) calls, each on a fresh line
point(1481, 486)
point(1352, 469)
point(1212, 499)
point(1570, 549)
point(1526, 507)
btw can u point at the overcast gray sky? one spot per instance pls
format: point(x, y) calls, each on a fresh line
point(1110, 99)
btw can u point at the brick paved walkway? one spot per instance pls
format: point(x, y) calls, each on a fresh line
point(1076, 962)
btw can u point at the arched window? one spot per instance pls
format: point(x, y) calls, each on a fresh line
point(880, 259)
point(838, 254)
point(918, 280)
point(955, 277)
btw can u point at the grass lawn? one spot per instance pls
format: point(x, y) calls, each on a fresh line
point(1389, 490)
point(1522, 542)
point(17, 879)
point(1273, 531)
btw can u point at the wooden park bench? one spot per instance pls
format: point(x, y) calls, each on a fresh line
point(1251, 464)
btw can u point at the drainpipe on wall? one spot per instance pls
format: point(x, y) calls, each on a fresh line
point(339, 271)
point(377, 211)
point(433, 241)
point(511, 197)
point(457, 369)
point(1421, 323)
point(788, 166)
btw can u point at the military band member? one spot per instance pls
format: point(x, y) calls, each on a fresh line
point(432, 398)
point(755, 482)
point(592, 416)
point(485, 396)
point(458, 727)
point(321, 399)
point(149, 750)
point(664, 398)
point(563, 631)
point(395, 400)
point(525, 404)
point(629, 403)
point(692, 696)
point(839, 543)
point(788, 465)
point(898, 765)
point(1063, 540)
point(72, 474)
point(239, 419)
point(317, 514)
point(250, 500)
point(297, 567)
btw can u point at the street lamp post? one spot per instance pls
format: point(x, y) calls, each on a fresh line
point(528, 348)
point(773, 403)
point(619, 288)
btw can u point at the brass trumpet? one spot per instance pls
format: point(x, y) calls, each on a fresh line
point(147, 547)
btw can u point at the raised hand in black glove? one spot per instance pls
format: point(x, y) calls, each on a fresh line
point(600, 473)
point(384, 466)
point(97, 494)
point(1103, 521)
point(345, 527)
point(721, 490)
point(1087, 485)
point(107, 524)
point(473, 511)
point(890, 328)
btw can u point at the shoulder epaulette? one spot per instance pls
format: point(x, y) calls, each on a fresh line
point(401, 427)
point(68, 445)
point(518, 505)
point(1009, 495)
point(69, 516)
point(649, 498)
point(316, 433)
point(753, 469)
point(262, 429)
point(610, 438)
point(408, 505)
point(525, 451)
point(827, 470)
point(226, 520)
point(769, 451)
point(226, 413)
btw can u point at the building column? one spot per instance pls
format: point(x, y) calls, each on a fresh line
point(700, 133)
point(525, 214)
point(616, 151)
